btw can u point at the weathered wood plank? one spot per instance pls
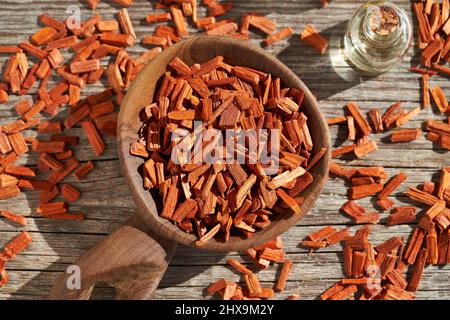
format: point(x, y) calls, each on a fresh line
point(106, 200)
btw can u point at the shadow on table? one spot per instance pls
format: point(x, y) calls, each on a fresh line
point(328, 74)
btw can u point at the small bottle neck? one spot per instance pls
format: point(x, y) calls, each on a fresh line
point(382, 26)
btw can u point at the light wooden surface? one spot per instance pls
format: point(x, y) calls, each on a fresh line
point(107, 202)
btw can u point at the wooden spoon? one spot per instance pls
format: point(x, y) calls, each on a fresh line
point(134, 258)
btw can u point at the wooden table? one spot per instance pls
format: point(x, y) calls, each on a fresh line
point(106, 200)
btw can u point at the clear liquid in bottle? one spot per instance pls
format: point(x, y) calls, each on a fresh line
point(378, 36)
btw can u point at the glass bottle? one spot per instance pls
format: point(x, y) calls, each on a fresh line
point(378, 36)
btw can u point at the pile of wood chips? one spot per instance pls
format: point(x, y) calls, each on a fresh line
point(263, 256)
point(33, 64)
point(433, 40)
point(225, 197)
point(372, 272)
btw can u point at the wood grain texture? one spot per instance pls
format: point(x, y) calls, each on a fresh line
point(128, 259)
point(107, 201)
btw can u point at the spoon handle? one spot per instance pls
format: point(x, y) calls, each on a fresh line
point(129, 260)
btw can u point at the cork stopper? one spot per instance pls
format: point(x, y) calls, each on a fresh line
point(384, 21)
